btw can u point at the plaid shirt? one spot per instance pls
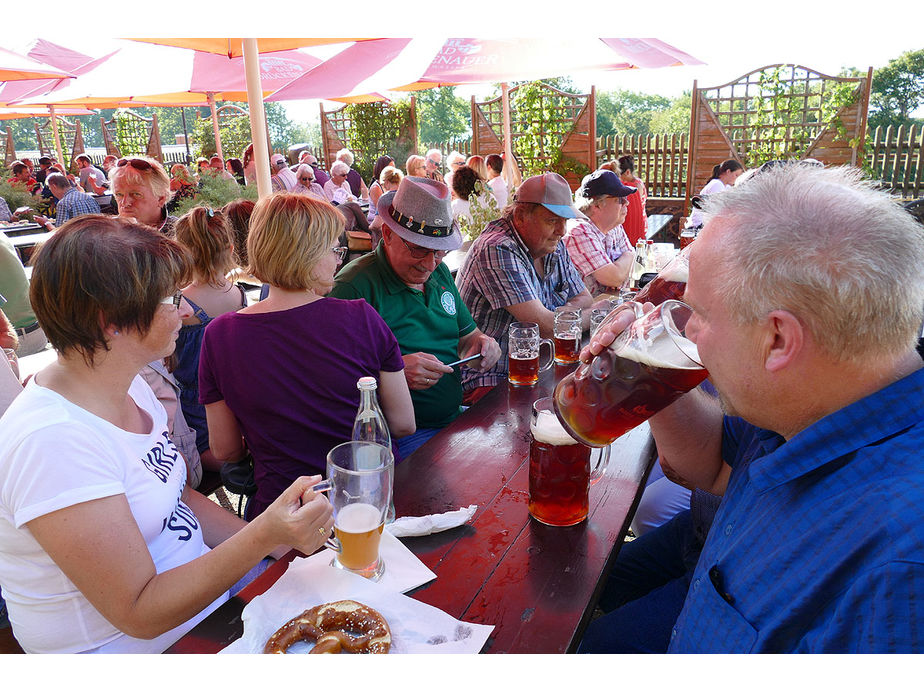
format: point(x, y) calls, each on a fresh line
point(590, 249)
point(74, 204)
point(499, 272)
point(818, 545)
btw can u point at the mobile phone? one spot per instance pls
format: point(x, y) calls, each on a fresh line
point(465, 360)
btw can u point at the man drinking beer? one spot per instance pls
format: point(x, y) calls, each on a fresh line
point(807, 287)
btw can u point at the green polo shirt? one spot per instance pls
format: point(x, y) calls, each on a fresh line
point(431, 321)
point(14, 286)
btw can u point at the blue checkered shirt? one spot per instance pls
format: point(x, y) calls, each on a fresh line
point(499, 272)
point(818, 545)
point(74, 204)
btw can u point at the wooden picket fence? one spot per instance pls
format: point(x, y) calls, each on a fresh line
point(660, 160)
point(896, 159)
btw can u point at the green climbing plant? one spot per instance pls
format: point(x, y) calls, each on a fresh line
point(377, 129)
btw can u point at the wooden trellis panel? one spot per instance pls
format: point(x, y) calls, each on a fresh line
point(335, 128)
point(573, 126)
point(142, 135)
point(777, 111)
point(44, 135)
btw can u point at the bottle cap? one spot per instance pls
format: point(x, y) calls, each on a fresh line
point(366, 383)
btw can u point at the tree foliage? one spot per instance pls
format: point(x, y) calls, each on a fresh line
point(897, 90)
point(441, 115)
point(629, 112)
point(379, 128)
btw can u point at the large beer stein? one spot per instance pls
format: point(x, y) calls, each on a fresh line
point(560, 472)
point(523, 347)
point(670, 283)
point(648, 366)
point(360, 494)
point(567, 334)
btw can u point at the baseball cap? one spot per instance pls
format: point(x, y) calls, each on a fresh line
point(603, 182)
point(278, 159)
point(552, 192)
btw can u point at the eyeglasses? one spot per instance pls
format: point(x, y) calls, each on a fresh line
point(340, 252)
point(619, 200)
point(419, 253)
point(175, 299)
point(138, 164)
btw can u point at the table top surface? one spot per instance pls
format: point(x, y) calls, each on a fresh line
point(538, 585)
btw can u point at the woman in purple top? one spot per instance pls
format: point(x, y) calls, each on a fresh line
point(279, 377)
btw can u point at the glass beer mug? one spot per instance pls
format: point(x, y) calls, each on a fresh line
point(560, 473)
point(670, 283)
point(360, 494)
point(567, 334)
point(523, 346)
point(648, 366)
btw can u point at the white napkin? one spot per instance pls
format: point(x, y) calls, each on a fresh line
point(416, 628)
point(430, 524)
point(403, 570)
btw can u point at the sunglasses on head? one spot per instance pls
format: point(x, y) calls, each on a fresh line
point(138, 164)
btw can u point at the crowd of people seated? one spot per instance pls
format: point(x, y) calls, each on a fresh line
point(165, 367)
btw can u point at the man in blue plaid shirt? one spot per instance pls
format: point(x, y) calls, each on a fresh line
point(71, 202)
point(518, 269)
point(807, 288)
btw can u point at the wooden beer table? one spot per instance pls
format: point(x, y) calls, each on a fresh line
point(538, 585)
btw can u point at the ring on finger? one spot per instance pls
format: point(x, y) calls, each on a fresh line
point(323, 531)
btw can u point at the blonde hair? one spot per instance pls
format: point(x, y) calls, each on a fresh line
point(155, 178)
point(209, 239)
point(289, 235)
point(477, 163)
point(413, 163)
point(390, 174)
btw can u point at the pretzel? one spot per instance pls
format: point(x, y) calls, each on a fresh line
point(345, 625)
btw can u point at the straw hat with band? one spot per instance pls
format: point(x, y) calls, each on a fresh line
point(420, 212)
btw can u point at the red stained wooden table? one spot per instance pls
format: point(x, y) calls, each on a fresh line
point(537, 585)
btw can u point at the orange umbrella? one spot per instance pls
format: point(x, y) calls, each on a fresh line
point(250, 49)
point(14, 67)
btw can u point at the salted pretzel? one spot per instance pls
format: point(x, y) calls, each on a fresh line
point(338, 626)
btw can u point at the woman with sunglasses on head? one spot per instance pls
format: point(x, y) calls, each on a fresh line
point(210, 241)
point(103, 548)
point(141, 188)
point(278, 378)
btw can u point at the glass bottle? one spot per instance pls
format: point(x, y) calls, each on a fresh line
point(641, 258)
point(370, 426)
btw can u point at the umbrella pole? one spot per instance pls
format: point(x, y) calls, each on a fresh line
point(185, 135)
point(257, 116)
point(211, 98)
point(54, 133)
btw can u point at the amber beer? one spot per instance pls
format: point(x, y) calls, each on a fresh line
point(523, 371)
point(669, 284)
point(638, 387)
point(358, 528)
point(567, 348)
point(559, 474)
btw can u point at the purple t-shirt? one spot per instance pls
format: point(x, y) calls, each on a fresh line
point(290, 379)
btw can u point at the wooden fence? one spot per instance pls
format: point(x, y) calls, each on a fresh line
point(896, 159)
point(660, 160)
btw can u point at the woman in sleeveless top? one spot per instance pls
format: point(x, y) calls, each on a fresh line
point(209, 239)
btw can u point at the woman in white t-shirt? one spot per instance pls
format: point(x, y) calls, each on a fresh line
point(724, 176)
point(103, 547)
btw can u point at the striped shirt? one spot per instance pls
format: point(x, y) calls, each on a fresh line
point(74, 204)
point(499, 272)
point(590, 249)
point(818, 545)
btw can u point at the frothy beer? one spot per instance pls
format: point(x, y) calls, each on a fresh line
point(523, 369)
point(669, 284)
point(358, 528)
point(559, 473)
point(606, 399)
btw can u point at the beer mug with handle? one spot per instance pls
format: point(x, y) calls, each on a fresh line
point(648, 366)
point(360, 494)
point(560, 472)
point(523, 347)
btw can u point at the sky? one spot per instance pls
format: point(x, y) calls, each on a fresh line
point(731, 38)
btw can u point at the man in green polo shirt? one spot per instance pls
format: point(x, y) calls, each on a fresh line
point(14, 288)
point(405, 280)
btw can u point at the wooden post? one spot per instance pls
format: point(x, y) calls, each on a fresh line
point(54, 133)
point(592, 145)
point(10, 147)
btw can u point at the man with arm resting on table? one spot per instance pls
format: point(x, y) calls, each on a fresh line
point(817, 545)
point(598, 245)
point(518, 269)
point(405, 280)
